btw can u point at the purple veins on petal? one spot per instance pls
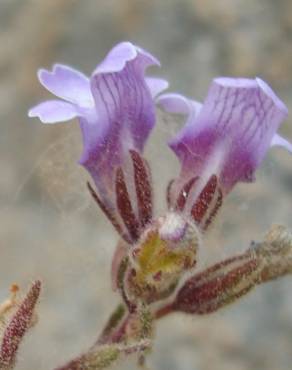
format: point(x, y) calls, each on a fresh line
point(124, 103)
point(115, 108)
point(231, 133)
point(125, 112)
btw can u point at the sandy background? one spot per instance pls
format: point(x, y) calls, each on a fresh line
point(50, 229)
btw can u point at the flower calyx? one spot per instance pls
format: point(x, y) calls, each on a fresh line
point(165, 251)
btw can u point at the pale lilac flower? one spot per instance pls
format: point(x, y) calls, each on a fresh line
point(115, 106)
point(223, 141)
point(116, 112)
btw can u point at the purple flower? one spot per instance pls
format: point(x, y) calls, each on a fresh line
point(116, 112)
point(223, 141)
point(115, 107)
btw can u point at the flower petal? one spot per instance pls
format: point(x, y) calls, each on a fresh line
point(176, 103)
point(232, 132)
point(68, 84)
point(282, 142)
point(120, 55)
point(156, 85)
point(53, 111)
point(125, 108)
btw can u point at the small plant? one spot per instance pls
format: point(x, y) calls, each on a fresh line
point(222, 143)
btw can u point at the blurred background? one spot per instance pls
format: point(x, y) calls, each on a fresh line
point(50, 228)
